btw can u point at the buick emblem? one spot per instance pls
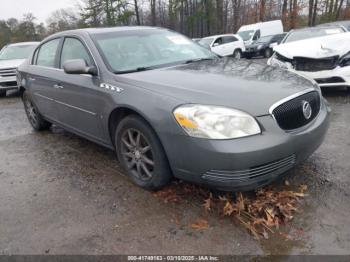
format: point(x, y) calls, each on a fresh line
point(307, 110)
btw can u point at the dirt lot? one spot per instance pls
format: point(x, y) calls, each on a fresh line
point(60, 194)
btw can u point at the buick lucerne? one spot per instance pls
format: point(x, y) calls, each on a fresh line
point(171, 108)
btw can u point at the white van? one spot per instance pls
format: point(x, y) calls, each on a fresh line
point(252, 32)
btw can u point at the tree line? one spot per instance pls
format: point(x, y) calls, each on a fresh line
point(195, 18)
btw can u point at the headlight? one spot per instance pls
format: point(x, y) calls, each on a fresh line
point(345, 60)
point(215, 122)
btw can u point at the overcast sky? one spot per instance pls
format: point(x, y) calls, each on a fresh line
point(40, 8)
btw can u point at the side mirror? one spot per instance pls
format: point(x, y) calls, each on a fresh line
point(78, 66)
point(215, 44)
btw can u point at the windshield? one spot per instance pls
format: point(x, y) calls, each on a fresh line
point(206, 41)
point(264, 39)
point(311, 33)
point(134, 50)
point(246, 35)
point(12, 52)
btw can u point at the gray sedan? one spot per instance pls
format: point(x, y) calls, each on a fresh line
point(172, 108)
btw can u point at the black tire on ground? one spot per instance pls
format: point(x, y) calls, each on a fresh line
point(237, 54)
point(2, 93)
point(35, 119)
point(141, 153)
point(268, 53)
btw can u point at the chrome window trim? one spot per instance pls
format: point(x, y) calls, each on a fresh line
point(286, 99)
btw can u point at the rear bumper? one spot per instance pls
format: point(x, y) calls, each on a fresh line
point(246, 163)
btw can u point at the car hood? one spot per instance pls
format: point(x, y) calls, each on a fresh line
point(319, 47)
point(11, 63)
point(248, 86)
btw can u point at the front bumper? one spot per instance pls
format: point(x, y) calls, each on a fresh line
point(339, 76)
point(8, 83)
point(246, 163)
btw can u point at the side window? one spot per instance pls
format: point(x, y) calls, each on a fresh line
point(47, 53)
point(218, 41)
point(256, 35)
point(74, 49)
point(229, 39)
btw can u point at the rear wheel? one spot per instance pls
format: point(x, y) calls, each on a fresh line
point(237, 54)
point(2, 93)
point(33, 115)
point(267, 53)
point(141, 153)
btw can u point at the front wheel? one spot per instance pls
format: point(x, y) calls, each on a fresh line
point(141, 153)
point(237, 54)
point(267, 53)
point(33, 115)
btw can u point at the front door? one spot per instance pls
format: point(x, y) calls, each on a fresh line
point(79, 97)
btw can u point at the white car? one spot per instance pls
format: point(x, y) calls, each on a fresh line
point(224, 45)
point(11, 56)
point(321, 54)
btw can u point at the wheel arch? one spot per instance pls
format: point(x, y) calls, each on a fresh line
point(120, 112)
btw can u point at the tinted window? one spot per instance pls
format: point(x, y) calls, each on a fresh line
point(47, 53)
point(218, 41)
point(229, 39)
point(74, 49)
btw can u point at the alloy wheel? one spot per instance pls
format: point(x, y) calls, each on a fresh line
point(31, 112)
point(137, 154)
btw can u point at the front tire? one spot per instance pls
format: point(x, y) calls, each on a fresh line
point(2, 93)
point(141, 153)
point(35, 119)
point(237, 54)
point(268, 53)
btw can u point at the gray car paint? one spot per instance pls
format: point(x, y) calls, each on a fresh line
point(84, 107)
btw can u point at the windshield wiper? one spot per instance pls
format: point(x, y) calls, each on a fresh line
point(138, 69)
point(198, 60)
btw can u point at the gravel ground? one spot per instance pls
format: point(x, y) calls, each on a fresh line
point(61, 194)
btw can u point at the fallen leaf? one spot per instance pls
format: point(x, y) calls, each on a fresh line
point(200, 224)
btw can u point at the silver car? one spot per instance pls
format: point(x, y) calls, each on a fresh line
point(11, 56)
point(171, 108)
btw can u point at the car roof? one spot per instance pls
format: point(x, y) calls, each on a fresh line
point(105, 30)
point(215, 36)
point(24, 43)
point(316, 27)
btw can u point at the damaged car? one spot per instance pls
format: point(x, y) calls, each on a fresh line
point(321, 54)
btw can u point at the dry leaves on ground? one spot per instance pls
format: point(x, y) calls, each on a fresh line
point(200, 224)
point(260, 215)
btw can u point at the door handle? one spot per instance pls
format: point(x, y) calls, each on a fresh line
point(57, 86)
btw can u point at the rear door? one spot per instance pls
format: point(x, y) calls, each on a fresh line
point(41, 78)
point(79, 97)
point(230, 43)
point(217, 47)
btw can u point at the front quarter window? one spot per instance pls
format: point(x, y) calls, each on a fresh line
point(125, 51)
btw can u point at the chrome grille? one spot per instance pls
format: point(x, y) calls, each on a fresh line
point(8, 72)
point(289, 115)
point(256, 172)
